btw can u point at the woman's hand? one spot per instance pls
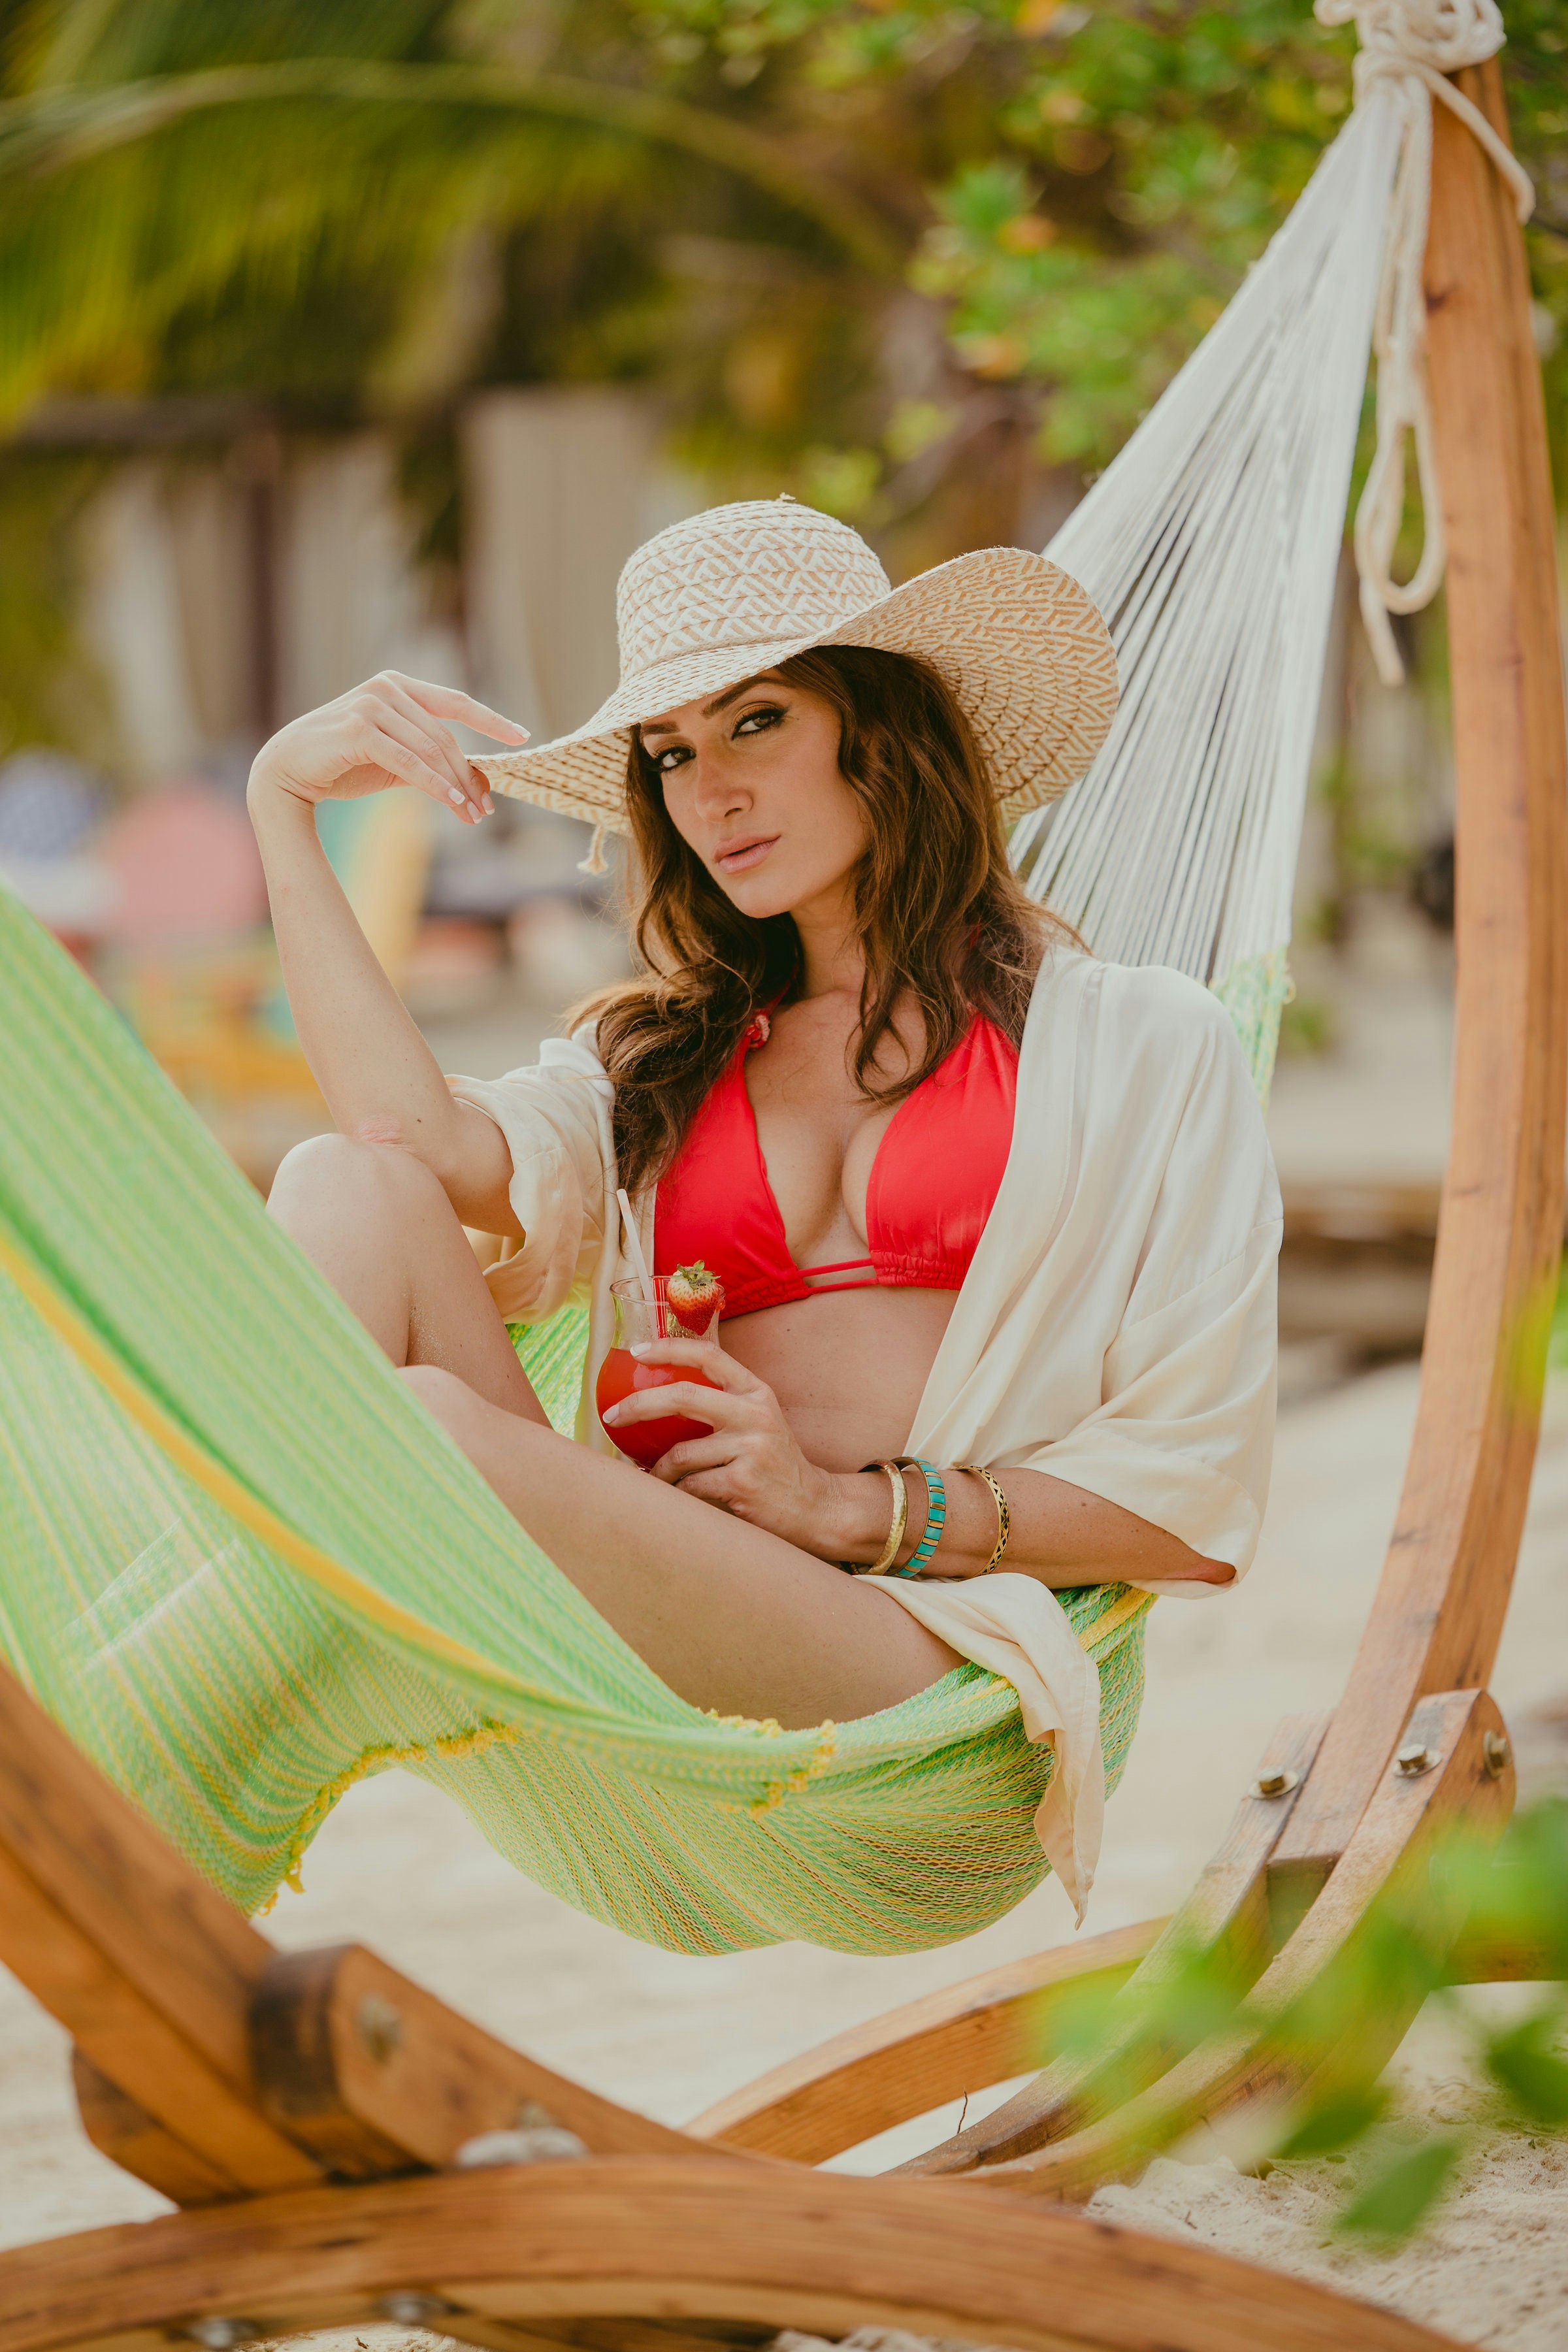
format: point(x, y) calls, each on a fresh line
point(751, 1464)
point(391, 730)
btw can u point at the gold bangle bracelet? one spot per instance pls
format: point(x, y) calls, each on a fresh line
point(889, 1551)
point(1004, 1516)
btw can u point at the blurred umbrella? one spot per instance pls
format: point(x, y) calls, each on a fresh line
point(185, 862)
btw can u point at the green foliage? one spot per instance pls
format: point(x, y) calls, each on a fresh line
point(1306, 1027)
point(1136, 157)
point(842, 240)
point(1077, 190)
point(1530, 2070)
point(48, 692)
point(1328, 2045)
point(1403, 2189)
point(1557, 1342)
point(1157, 148)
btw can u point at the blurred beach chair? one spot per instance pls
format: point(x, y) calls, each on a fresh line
point(191, 960)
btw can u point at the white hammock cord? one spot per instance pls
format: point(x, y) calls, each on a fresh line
point(1407, 46)
point(1212, 543)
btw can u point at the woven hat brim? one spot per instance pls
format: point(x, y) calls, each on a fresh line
point(1023, 646)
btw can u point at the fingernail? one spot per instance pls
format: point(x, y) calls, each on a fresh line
point(456, 796)
point(613, 1414)
point(490, 805)
point(641, 1348)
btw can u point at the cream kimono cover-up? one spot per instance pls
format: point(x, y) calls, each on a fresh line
point(1116, 1328)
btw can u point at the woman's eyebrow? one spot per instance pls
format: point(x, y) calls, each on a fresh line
point(723, 701)
point(720, 702)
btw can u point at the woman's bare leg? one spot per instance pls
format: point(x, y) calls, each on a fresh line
point(729, 1616)
point(382, 1230)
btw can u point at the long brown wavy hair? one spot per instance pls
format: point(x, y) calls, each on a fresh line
point(945, 923)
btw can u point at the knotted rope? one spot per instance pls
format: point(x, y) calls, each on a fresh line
point(1408, 47)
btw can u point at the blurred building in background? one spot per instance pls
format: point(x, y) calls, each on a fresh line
point(235, 575)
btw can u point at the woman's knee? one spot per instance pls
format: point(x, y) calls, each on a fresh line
point(368, 1179)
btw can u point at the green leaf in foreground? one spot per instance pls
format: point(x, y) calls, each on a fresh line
point(1334, 2122)
point(1399, 2192)
point(1530, 2070)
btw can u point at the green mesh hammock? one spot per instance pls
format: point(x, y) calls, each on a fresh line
point(244, 1568)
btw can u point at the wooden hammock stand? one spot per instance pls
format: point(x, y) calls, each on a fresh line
point(300, 2107)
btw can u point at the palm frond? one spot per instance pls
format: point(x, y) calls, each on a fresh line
point(51, 131)
point(225, 214)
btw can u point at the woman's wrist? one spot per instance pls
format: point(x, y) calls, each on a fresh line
point(857, 1518)
point(273, 805)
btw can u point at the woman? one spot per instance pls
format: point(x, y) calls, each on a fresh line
point(973, 1196)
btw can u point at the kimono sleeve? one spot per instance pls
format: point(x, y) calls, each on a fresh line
point(1183, 1433)
point(555, 1116)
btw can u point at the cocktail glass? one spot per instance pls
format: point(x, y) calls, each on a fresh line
point(640, 1319)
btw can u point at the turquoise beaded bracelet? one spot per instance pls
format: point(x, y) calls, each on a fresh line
point(936, 1513)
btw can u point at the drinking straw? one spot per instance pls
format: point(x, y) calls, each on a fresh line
point(634, 1250)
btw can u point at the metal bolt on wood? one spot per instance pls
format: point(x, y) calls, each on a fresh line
point(546, 2143)
point(380, 2027)
point(219, 2335)
point(1413, 1760)
point(1276, 1784)
point(1497, 1752)
point(409, 2308)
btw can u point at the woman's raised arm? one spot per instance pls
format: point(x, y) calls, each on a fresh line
point(381, 1081)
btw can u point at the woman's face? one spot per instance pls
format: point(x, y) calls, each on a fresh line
point(753, 785)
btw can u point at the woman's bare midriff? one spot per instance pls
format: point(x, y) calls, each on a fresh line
point(849, 1368)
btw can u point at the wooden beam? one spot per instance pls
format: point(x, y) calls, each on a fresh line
point(208, 2063)
point(1394, 1840)
point(1439, 1609)
point(1227, 1911)
point(677, 2238)
point(351, 2055)
point(148, 1968)
point(913, 2059)
point(143, 2146)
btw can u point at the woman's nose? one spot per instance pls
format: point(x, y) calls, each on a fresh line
point(717, 789)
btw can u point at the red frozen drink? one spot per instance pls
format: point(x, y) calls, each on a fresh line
point(622, 1374)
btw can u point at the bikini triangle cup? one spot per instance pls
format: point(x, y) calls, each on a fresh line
point(936, 1171)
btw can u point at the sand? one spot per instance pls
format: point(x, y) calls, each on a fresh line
point(399, 1869)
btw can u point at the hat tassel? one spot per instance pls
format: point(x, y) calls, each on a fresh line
point(595, 862)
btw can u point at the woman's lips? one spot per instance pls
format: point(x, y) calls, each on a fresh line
point(746, 855)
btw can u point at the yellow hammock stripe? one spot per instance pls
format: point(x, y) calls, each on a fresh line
point(222, 1485)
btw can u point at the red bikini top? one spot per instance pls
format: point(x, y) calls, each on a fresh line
point(936, 1171)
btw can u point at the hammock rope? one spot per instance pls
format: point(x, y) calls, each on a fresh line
point(1407, 46)
point(1211, 544)
point(243, 1569)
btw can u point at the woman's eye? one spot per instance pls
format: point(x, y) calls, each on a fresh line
point(755, 721)
point(668, 762)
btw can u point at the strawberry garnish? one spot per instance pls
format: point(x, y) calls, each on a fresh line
point(695, 1295)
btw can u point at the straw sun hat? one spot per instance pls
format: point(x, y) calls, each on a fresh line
point(735, 590)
